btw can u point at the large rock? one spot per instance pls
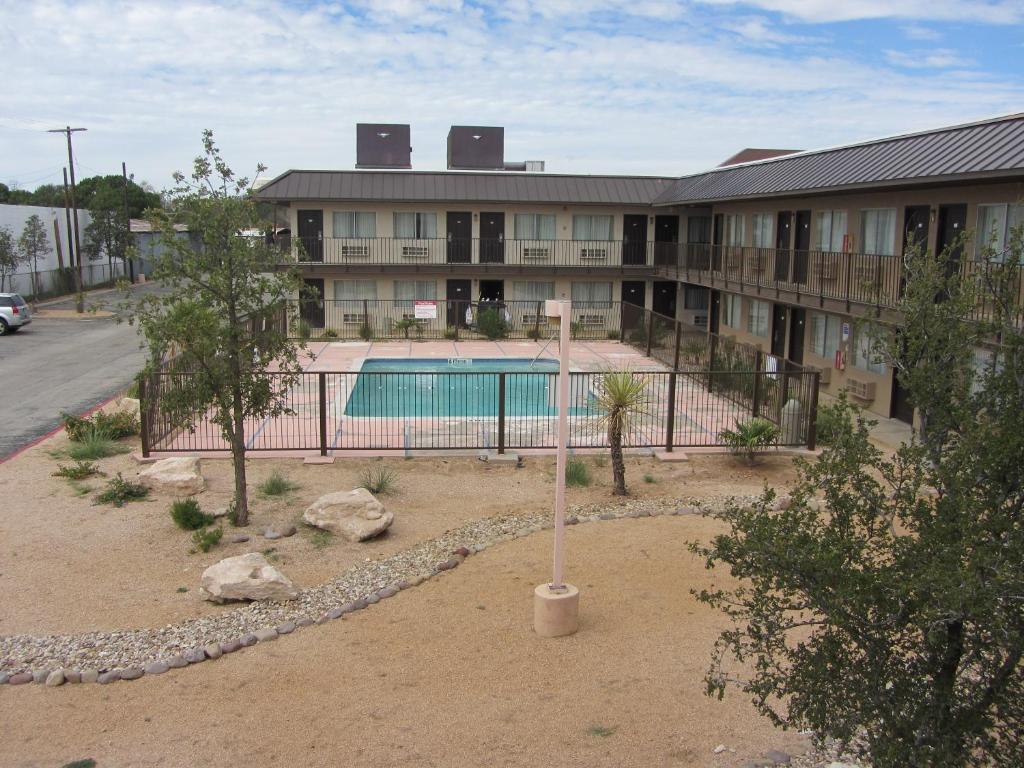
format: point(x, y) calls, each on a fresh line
point(178, 475)
point(245, 577)
point(126, 405)
point(356, 515)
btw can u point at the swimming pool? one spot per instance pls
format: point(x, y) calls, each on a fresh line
point(456, 387)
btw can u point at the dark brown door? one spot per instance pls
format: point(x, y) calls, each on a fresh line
point(783, 244)
point(664, 300)
point(915, 227)
point(716, 242)
point(460, 238)
point(715, 311)
point(311, 235)
point(949, 247)
point(492, 238)
point(698, 239)
point(633, 292)
point(666, 239)
point(311, 303)
point(801, 246)
point(797, 318)
point(901, 408)
point(779, 330)
point(634, 239)
point(458, 295)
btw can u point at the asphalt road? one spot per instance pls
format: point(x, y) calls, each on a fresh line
point(59, 365)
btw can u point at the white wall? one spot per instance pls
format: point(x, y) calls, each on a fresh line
point(14, 217)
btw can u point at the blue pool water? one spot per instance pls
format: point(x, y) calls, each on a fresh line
point(453, 388)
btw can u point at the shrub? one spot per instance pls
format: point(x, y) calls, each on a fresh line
point(303, 330)
point(577, 473)
point(650, 479)
point(533, 333)
point(277, 485)
point(321, 539)
point(491, 324)
point(613, 335)
point(835, 419)
point(378, 480)
point(405, 325)
point(206, 539)
point(451, 333)
point(575, 329)
point(77, 471)
point(750, 437)
point(119, 491)
point(329, 333)
point(113, 426)
point(95, 445)
point(366, 332)
point(188, 516)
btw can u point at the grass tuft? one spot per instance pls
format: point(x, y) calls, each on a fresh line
point(600, 730)
point(378, 480)
point(206, 539)
point(77, 471)
point(577, 474)
point(119, 491)
point(650, 479)
point(277, 485)
point(322, 539)
point(188, 516)
point(95, 444)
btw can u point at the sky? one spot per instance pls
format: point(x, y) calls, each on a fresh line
point(589, 86)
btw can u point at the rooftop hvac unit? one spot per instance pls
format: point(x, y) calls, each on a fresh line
point(383, 145)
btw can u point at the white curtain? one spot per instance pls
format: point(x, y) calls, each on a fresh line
point(878, 231)
point(591, 227)
point(407, 290)
point(733, 229)
point(863, 356)
point(353, 290)
point(591, 292)
point(757, 318)
point(826, 331)
point(534, 226)
point(352, 224)
point(763, 230)
point(831, 229)
point(523, 290)
point(421, 226)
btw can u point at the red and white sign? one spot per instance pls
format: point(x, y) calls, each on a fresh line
point(425, 310)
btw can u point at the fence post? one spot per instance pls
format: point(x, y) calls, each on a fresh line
point(536, 320)
point(712, 343)
point(366, 316)
point(501, 412)
point(650, 333)
point(812, 416)
point(679, 334)
point(670, 426)
point(758, 364)
point(322, 379)
point(144, 420)
point(458, 319)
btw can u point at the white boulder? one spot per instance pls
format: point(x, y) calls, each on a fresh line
point(179, 475)
point(356, 515)
point(245, 577)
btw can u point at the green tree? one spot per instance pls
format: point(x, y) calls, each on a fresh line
point(33, 245)
point(5, 193)
point(890, 613)
point(106, 233)
point(10, 257)
point(107, 193)
point(621, 397)
point(216, 295)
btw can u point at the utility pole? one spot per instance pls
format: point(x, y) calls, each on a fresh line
point(71, 250)
point(68, 130)
point(130, 263)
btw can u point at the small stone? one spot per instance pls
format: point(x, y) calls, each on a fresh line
point(55, 678)
point(719, 749)
point(4, 677)
point(607, 515)
point(643, 513)
point(336, 612)
point(230, 646)
point(238, 538)
point(286, 628)
point(524, 532)
point(286, 531)
point(323, 619)
point(572, 520)
point(20, 678)
point(195, 655)
point(110, 676)
point(40, 675)
point(265, 635)
point(90, 676)
point(271, 534)
point(131, 673)
point(782, 502)
point(687, 511)
point(387, 592)
point(248, 640)
point(403, 584)
point(177, 662)
point(213, 651)
point(416, 580)
point(156, 668)
point(305, 621)
point(72, 676)
point(777, 757)
point(371, 599)
point(461, 551)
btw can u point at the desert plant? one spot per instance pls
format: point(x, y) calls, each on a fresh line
point(188, 516)
point(600, 460)
point(650, 479)
point(451, 333)
point(77, 471)
point(303, 330)
point(378, 480)
point(834, 419)
point(366, 331)
point(95, 444)
point(621, 397)
point(575, 329)
point(206, 539)
point(577, 473)
point(613, 335)
point(491, 324)
point(329, 333)
point(533, 333)
point(118, 491)
point(277, 485)
point(405, 325)
point(321, 539)
point(111, 425)
point(750, 438)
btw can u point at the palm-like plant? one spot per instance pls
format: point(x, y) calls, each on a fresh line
point(622, 396)
point(750, 437)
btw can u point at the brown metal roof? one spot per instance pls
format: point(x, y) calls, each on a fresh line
point(755, 153)
point(983, 150)
point(440, 186)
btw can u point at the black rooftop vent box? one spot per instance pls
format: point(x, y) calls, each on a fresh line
point(383, 145)
point(476, 148)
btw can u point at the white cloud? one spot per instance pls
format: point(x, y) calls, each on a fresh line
point(917, 32)
point(761, 31)
point(939, 58)
point(821, 11)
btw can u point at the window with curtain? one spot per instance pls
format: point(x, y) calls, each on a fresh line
point(408, 290)
point(763, 230)
point(826, 334)
point(863, 356)
point(352, 224)
point(419, 226)
point(591, 227)
point(878, 231)
point(355, 290)
point(592, 294)
point(731, 306)
point(996, 224)
point(732, 229)
point(829, 230)
point(530, 290)
point(757, 318)
point(535, 226)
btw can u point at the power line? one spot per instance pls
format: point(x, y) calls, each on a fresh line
point(67, 131)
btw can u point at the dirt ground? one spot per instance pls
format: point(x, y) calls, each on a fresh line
point(449, 673)
point(69, 565)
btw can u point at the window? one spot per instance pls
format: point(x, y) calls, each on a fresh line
point(757, 318)
point(763, 230)
point(732, 229)
point(355, 224)
point(996, 224)
point(592, 294)
point(420, 226)
point(863, 355)
point(526, 290)
point(407, 290)
point(826, 333)
point(731, 311)
point(535, 226)
point(695, 297)
point(355, 290)
point(591, 227)
point(830, 230)
point(878, 231)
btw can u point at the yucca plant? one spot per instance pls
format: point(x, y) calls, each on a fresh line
point(750, 437)
point(622, 397)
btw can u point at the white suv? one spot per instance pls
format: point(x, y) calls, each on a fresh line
point(13, 313)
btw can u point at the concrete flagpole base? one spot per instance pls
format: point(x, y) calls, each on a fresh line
point(556, 612)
